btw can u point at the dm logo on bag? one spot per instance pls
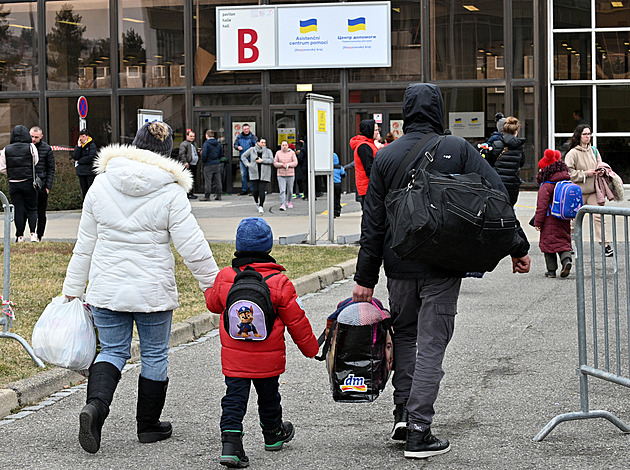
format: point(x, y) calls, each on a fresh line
point(353, 384)
point(247, 321)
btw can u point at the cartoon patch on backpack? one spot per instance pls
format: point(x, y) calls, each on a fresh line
point(249, 314)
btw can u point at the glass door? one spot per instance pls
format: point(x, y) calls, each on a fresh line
point(216, 122)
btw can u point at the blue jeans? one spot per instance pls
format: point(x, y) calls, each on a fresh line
point(115, 330)
point(244, 177)
point(234, 403)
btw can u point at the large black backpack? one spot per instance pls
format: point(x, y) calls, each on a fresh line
point(249, 313)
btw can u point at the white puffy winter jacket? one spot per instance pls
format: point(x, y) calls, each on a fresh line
point(135, 207)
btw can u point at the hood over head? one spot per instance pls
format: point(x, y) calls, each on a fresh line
point(423, 108)
point(366, 128)
point(20, 134)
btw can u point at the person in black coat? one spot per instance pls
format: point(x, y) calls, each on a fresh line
point(45, 169)
point(422, 298)
point(507, 157)
point(18, 160)
point(84, 155)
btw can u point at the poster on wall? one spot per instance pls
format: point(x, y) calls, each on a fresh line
point(237, 128)
point(287, 134)
point(304, 36)
point(470, 124)
point(396, 127)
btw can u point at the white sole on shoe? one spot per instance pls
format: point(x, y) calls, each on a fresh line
point(425, 454)
point(399, 433)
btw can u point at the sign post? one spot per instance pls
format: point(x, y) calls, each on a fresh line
point(319, 126)
point(82, 109)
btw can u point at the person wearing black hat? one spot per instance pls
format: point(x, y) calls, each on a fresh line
point(136, 207)
point(84, 155)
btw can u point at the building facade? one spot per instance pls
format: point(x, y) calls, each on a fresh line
point(488, 56)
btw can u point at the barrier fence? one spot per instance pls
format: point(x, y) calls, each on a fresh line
point(6, 318)
point(603, 309)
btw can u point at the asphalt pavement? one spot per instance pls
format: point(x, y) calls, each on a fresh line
point(510, 368)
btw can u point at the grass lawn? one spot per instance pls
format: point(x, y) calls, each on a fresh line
point(38, 271)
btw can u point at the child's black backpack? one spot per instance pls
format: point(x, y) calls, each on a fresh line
point(249, 313)
point(358, 350)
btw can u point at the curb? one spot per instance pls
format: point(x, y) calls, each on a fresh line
point(34, 389)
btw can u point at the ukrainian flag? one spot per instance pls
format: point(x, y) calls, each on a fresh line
point(356, 24)
point(458, 120)
point(475, 120)
point(308, 26)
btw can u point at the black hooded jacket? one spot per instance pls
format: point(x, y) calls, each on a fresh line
point(45, 167)
point(18, 155)
point(509, 158)
point(423, 109)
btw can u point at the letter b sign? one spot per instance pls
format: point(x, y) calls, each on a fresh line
point(246, 40)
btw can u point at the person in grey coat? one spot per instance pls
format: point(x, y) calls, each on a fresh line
point(259, 160)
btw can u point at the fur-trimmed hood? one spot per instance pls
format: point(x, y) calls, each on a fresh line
point(138, 172)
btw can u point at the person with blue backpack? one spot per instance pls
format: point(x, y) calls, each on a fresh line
point(555, 232)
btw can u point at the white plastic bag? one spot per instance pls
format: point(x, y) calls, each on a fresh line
point(64, 334)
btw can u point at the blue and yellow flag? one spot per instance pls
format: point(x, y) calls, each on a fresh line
point(356, 24)
point(308, 26)
point(474, 120)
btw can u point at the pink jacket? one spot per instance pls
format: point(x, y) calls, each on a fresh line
point(603, 181)
point(284, 158)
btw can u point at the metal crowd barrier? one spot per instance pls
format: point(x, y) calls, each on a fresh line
point(603, 333)
point(6, 318)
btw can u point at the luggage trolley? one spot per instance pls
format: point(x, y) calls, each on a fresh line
point(6, 318)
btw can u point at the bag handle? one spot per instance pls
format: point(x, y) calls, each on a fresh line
point(413, 154)
point(325, 340)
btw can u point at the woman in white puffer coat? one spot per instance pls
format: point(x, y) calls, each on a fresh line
point(136, 206)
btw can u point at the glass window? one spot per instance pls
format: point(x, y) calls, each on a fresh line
point(205, 45)
point(18, 46)
point(237, 99)
point(172, 107)
point(62, 112)
point(613, 102)
point(524, 112)
point(614, 151)
point(523, 38)
point(151, 43)
point(23, 111)
point(466, 40)
point(612, 54)
point(304, 76)
point(572, 107)
point(299, 97)
point(571, 14)
point(610, 14)
point(406, 38)
point(572, 56)
point(488, 101)
point(78, 44)
point(376, 96)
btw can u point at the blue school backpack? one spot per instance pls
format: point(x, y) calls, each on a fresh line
point(567, 200)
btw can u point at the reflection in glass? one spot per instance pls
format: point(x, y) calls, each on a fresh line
point(237, 99)
point(65, 131)
point(299, 97)
point(572, 56)
point(614, 151)
point(524, 111)
point(376, 96)
point(571, 14)
point(23, 111)
point(523, 37)
point(204, 47)
point(172, 107)
point(568, 101)
point(613, 102)
point(612, 51)
point(78, 44)
point(610, 14)
point(304, 76)
point(18, 46)
point(466, 40)
point(151, 43)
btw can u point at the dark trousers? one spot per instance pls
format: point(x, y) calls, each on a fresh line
point(85, 182)
point(551, 261)
point(24, 199)
point(260, 188)
point(423, 313)
point(513, 196)
point(42, 205)
point(337, 187)
point(234, 403)
point(212, 177)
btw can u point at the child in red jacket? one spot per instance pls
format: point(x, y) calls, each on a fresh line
point(260, 362)
point(555, 234)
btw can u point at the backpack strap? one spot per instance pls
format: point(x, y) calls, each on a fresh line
point(411, 156)
point(325, 340)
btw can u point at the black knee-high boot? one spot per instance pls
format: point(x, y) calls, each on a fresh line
point(151, 398)
point(102, 383)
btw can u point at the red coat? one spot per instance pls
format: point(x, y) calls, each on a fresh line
point(555, 236)
point(261, 359)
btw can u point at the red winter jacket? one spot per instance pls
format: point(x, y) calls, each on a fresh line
point(362, 161)
point(555, 236)
point(261, 359)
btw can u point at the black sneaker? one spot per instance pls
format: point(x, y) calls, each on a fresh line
point(243, 193)
point(566, 267)
point(550, 274)
point(401, 416)
point(232, 452)
point(275, 438)
point(423, 444)
point(608, 251)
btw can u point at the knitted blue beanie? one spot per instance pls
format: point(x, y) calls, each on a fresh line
point(254, 234)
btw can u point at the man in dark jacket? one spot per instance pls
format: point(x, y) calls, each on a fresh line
point(189, 156)
point(84, 155)
point(422, 298)
point(243, 142)
point(211, 156)
point(45, 169)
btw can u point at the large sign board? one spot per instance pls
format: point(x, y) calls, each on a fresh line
point(331, 35)
point(470, 124)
